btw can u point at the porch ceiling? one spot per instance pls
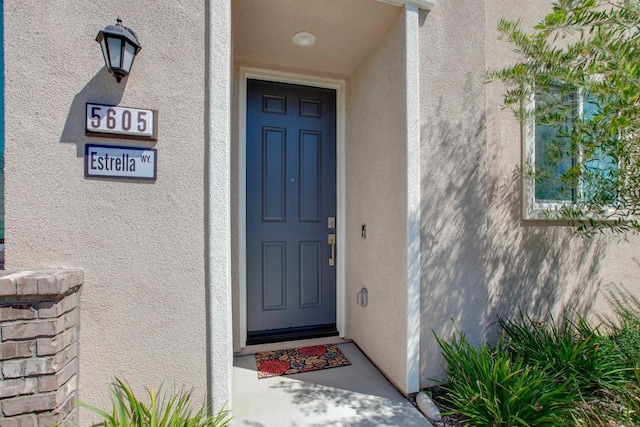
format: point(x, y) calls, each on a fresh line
point(345, 30)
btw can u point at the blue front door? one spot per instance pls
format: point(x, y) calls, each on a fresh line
point(291, 209)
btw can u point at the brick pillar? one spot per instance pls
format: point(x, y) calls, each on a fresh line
point(39, 322)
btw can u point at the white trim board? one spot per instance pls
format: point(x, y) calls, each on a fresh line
point(301, 79)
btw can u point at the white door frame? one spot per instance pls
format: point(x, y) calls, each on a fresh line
point(301, 79)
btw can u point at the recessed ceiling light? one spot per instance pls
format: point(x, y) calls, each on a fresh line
point(304, 39)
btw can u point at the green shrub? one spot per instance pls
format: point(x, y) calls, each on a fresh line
point(625, 328)
point(172, 411)
point(574, 351)
point(492, 388)
point(565, 373)
point(627, 338)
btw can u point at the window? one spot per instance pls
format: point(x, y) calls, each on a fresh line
point(559, 170)
point(553, 154)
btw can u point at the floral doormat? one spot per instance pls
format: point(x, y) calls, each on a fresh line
point(296, 360)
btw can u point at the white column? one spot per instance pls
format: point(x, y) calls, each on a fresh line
point(411, 16)
point(218, 203)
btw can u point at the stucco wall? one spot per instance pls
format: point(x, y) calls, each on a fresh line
point(480, 260)
point(141, 244)
point(453, 167)
point(377, 196)
point(538, 266)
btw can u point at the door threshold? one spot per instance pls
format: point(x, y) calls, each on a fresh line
point(253, 349)
point(292, 334)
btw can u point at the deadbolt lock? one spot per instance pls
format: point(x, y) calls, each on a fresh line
point(331, 222)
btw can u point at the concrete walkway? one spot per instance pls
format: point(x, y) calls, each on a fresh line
point(356, 395)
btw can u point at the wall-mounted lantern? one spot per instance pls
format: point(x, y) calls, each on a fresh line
point(119, 47)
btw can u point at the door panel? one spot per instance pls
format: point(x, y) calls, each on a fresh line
point(273, 174)
point(310, 162)
point(291, 192)
point(273, 275)
point(310, 274)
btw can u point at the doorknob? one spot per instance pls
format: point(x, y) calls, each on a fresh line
point(332, 243)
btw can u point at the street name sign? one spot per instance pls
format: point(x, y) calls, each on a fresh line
point(120, 162)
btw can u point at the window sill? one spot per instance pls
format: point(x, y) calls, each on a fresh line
point(550, 211)
point(543, 211)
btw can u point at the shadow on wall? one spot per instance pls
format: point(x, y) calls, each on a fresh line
point(453, 228)
point(101, 89)
point(480, 260)
point(539, 269)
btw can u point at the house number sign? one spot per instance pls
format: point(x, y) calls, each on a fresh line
point(121, 122)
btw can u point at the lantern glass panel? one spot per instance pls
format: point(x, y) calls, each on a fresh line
point(129, 54)
point(103, 45)
point(115, 52)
